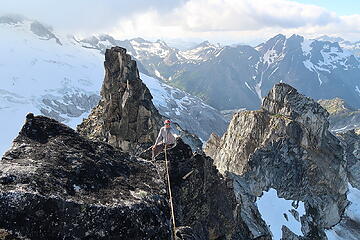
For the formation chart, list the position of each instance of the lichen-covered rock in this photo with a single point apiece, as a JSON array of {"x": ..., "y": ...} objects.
[
  {"x": 212, "y": 145},
  {"x": 55, "y": 184},
  {"x": 286, "y": 146},
  {"x": 204, "y": 200}
]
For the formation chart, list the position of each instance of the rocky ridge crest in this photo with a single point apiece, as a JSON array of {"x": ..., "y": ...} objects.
[
  {"x": 126, "y": 117},
  {"x": 56, "y": 184},
  {"x": 286, "y": 146}
]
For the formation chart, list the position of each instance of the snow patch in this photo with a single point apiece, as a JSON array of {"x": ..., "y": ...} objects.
[
  {"x": 277, "y": 212},
  {"x": 32, "y": 67},
  {"x": 357, "y": 89},
  {"x": 309, "y": 65},
  {"x": 306, "y": 46},
  {"x": 247, "y": 85},
  {"x": 76, "y": 188},
  {"x": 333, "y": 56},
  {"x": 353, "y": 210},
  {"x": 270, "y": 56}
]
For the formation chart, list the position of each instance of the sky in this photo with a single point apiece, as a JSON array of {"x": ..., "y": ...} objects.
[{"x": 223, "y": 21}]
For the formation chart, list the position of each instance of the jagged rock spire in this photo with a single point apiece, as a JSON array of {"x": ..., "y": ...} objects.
[
  {"x": 286, "y": 145},
  {"x": 125, "y": 116}
]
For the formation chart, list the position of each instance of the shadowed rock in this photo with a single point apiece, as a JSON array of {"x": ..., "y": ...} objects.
[
  {"x": 204, "y": 201},
  {"x": 125, "y": 117},
  {"x": 55, "y": 184},
  {"x": 286, "y": 146}
]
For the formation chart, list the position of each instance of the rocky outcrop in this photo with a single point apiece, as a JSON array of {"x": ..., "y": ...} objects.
[
  {"x": 125, "y": 116},
  {"x": 342, "y": 116},
  {"x": 351, "y": 141},
  {"x": 43, "y": 32},
  {"x": 204, "y": 201},
  {"x": 286, "y": 146},
  {"x": 56, "y": 184}
]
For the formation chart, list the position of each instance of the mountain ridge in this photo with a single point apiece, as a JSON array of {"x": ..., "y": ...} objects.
[
  {"x": 320, "y": 69},
  {"x": 63, "y": 82}
]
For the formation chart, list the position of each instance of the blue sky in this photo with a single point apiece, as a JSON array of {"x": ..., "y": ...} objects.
[
  {"x": 223, "y": 21},
  {"x": 342, "y": 7}
]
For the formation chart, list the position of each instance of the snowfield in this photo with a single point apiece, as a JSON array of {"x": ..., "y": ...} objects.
[
  {"x": 33, "y": 68},
  {"x": 277, "y": 212}
]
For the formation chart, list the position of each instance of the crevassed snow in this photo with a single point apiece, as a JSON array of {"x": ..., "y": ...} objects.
[
  {"x": 162, "y": 94},
  {"x": 31, "y": 67},
  {"x": 272, "y": 209},
  {"x": 201, "y": 53},
  {"x": 157, "y": 90}
]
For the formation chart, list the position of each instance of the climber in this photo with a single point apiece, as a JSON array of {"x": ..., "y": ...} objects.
[{"x": 165, "y": 137}]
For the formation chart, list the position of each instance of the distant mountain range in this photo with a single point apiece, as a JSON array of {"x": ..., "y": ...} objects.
[
  {"x": 47, "y": 73},
  {"x": 233, "y": 77},
  {"x": 353, "y": 47},
  {"x": 60, "y": 76}
]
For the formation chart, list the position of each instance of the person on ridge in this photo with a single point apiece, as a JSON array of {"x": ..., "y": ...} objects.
[{"x": 165, "y": 137}]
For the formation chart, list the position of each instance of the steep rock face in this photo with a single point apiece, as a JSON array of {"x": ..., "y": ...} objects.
[
  {"x": 287, "y": 146},
  {"x": 55, "y": 184},
  {"x": 342, "y": 116},
  {"x": 351, "y": 142},
  {"x": 204, "y": 201},
  {"x": 125, "y": 116}
]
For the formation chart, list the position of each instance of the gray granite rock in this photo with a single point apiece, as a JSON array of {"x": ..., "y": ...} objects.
[{"x": 286, "y": 146}]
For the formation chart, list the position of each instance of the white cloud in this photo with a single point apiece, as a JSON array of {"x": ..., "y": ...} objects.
[
  {"x": 83, "y": 15},
  {"x": 234, "y": 21},
  {"x": 224, "y": 21}
]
